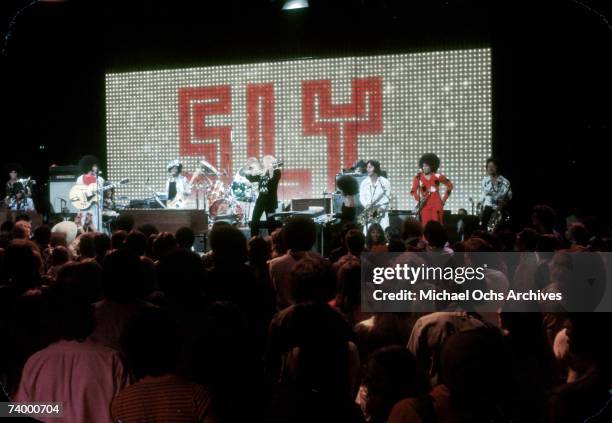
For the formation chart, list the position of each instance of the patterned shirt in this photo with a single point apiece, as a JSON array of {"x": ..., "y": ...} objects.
[
  {"x": 492, "y": 193},
  {"x": 162, "y": 399}
]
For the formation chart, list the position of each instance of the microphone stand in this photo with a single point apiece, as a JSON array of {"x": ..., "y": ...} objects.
[
  {"x": 418, "y": 188},
  {"x": 98, "y": 203}
]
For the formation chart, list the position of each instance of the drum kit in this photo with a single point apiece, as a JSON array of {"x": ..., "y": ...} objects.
[{"x": 227, "y": 202}]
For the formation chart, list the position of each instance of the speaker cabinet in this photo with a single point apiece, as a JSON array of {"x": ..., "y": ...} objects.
[
  {"x": 302, "y": 204},
  {"x": 61, "y": 180},
  {"x": 397, "y": 217},
  {"x": 59, "y": 198}
]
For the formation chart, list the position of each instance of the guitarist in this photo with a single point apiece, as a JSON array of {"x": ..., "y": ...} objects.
[
  {"x": 495, "y": 192},
  {"x": 177, "y": 185},
  {"x": 375, "y": 191},
  {"x": 91, "y": 175},
  {"x": 426, "y": 189}
]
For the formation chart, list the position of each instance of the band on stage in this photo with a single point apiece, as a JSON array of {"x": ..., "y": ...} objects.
[{"x": 364, "y": 190}]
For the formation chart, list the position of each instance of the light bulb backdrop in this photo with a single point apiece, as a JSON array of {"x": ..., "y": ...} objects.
[{"x": 317, "y": 115}]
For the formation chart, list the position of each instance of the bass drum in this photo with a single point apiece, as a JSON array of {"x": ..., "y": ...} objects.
[
  {"x": 223, "y": 209},
  {"x": 216, "y": 192}
]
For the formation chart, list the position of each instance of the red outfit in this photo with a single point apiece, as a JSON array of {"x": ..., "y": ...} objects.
[
  {"x": 433, "y": 208},
  {"x": 89, "y": 179}
]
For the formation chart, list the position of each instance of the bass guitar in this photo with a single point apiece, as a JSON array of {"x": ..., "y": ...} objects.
[{"x": 421, "y": 204}]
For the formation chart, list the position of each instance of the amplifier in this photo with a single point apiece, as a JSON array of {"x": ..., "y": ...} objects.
[
  {"x": 59, "y": 196},
  {"x": 64, "y": 173},
  {"x": 61, "y": 180},
  {"x": 302, "y": 204}
]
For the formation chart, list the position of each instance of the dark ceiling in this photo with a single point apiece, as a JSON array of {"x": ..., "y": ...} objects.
[{"x": 552, "y": 89}]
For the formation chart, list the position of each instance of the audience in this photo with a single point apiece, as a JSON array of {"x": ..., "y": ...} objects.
[
  {"x": 300, "y": 235},
  {"x": 376, "y": 242},
  {"x": 184, "y": 238},
  {"x": 585, "y": 355},
  {"x": 475, "y": 383},
  {"x": 354, "y": 242},
  {"x": 163, "y": 243},
  {"x": 436, "y": 237},
  {"x": 136, "y": 242},
  {"x": 86, "y": 246},
  {"x": 118, "y": 239},
  {"x": 122, "y": 288},
  {"x": 348, "y": 292},
  {"x": 102, "y": 245},
  {"x": 267, "y": 329},
  {"x": 85, "y": 375},
  {"x": 524, "y": 275},
  {"x": 390, "y": 375},
  {"x": 412, "y": 234},
  {"x": 151, "y": 343}
]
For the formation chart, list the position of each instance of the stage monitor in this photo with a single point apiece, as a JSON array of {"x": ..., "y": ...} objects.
[{"x": 317, "y": 115}]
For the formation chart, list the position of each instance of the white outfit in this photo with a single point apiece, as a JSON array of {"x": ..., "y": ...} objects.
[
  {"x": 183, "y": 187},
  {"x": 96, "y": 207},
  {"x": 369, "y": 192}
]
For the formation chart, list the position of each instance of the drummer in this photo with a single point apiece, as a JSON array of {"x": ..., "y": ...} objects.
[
  {"x": 241, "y": 186},
  {"x": 109, "y": 196}
]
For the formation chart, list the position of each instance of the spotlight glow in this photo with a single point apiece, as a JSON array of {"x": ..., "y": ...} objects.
[{"x": 295, "y": 4}]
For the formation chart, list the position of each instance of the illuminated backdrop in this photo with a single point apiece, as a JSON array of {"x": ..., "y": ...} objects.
[{"x": 318, "y": 116}]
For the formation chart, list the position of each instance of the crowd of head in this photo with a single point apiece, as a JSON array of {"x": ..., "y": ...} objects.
[{"x": 137, "y": 326}]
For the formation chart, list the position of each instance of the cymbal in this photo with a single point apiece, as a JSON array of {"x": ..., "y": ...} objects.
[{"x": 209, "y": 167}]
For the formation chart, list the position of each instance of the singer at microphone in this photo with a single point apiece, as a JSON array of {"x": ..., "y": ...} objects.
[
  {"x": 91, "y": 175},
  {"x": 426, "y": 189}
]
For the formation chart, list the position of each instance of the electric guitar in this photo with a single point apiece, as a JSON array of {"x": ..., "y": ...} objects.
[
  {"x": 421, "y": 203},
  {"x": 83, "y": 196}
]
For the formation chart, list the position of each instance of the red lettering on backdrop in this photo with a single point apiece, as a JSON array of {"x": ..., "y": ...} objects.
[
  {"x": 196, "y": 138},
  {"x": 261, "y": 124},
  {"x": 341, "y": 124}
]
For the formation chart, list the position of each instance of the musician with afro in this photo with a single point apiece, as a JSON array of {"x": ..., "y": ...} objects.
[
  {"x": 426, "y": 189},
  {"x": 349, "y": 188},
  {"x": 89, "y": 166}
]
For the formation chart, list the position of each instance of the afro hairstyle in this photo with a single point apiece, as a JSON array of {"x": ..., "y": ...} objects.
[
  {"x": 348, "y": 185},
  {"x": 431, "y": 159},
  {"x": 87, "y": 162}
]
